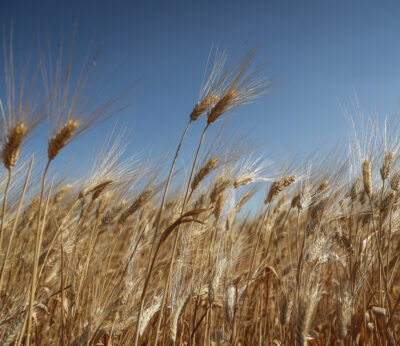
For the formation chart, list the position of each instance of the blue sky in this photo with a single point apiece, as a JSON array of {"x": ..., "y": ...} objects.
[{"x": 320, "y": 53}]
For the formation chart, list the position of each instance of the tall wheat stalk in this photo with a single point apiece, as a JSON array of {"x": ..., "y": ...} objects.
[{"x": 159, "y": 218}]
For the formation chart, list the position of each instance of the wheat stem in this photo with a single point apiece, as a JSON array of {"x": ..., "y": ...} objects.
[
  {"x": 159, "y": 218},
  {"x": 249, "y": 274},
  {"x": 36, "y": 256},
  {"x": 173, "y": 253}
]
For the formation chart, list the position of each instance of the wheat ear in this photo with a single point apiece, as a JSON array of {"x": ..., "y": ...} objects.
[
  {"x": 203, "y": 172},
  {"x": 12, "y": 147},
  {"x": 387, "y": 165},
  {"x": 61, "y": 138},
  {"x": 367, "y": 178}
]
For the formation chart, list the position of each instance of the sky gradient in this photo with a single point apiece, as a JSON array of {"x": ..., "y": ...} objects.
[{"x": 320, "y": 54}]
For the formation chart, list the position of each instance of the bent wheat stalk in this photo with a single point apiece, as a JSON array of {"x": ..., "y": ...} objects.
[{"x": 185, "y": 218}]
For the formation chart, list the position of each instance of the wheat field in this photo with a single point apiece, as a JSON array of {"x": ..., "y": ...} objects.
[{"x": 127, "y": 256}]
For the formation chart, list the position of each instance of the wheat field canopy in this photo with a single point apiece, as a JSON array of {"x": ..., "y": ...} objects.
[{"x": 138, "y": 252}]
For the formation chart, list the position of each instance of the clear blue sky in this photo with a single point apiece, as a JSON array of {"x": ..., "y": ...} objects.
[{"x": 320, "y": 52}]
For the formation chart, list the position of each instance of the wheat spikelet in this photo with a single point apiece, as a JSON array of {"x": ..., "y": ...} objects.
[
  {"x": 241, "y": 182},
  {"x": 99, "y": 188},
  {"x": 395, "y": 182},
  {"x": 388, "y": 201},
  {"x": 387, "y": 165},
  {"x": 12, "y": 147},
  {"x": 203, "y": 106},
  {"x": 220, "y": 186},
  {"x": 211, "y": 87},
  {"x": 221, "y": 106},
  {"x": 305, "y": 198},
  {"x": 366, "y": 172},
  {"x": 140, "y": 201},
  {"x": 278, "y": 185},
  {"x": 219, "y": 205},
  {"x": 243, "y": 200},
  {"x": 110, "y": 215},
  {"x": 355, "y": 189},
  {"x": 218, "y": 195},
  {"x": 242, "y": 88},
  {"x": 61, "y": 138},
  {"x": 203, "y": 172}
]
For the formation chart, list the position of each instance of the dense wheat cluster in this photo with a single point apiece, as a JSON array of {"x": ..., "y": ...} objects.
[{"x": 126, "y": 256}]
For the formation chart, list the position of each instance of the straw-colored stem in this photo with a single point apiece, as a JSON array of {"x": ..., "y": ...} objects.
[
  {"x": 15, "y": 223},
  {"x": 3, "y": 215},
  {"x": 36, "y": 256},
  {"x": 159, "y": 218},
  {"x": 40, "y": 239},
  {"x": 249, "y": 274},
  {"x": 177, "y": 236}
]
